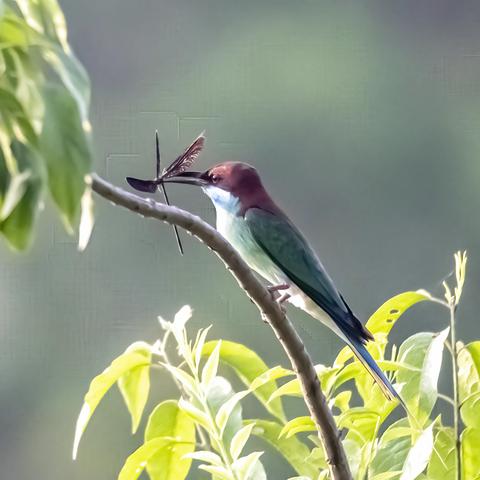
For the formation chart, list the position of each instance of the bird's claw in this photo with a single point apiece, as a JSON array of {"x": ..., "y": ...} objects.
[{"x": 273, "y": 289}]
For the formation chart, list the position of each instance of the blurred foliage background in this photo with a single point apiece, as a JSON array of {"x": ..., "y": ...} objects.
[{"x": 363, "y": 121}]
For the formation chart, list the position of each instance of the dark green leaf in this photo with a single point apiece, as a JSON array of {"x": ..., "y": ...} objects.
[
  {"x": 18, "y": 226},
  {"x": 66, "y": 150}
]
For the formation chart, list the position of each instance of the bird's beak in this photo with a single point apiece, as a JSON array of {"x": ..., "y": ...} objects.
[{"x": 189, "y": 178}]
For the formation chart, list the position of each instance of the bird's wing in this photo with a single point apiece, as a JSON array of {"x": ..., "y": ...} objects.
[{"x": 290, "y": 251}]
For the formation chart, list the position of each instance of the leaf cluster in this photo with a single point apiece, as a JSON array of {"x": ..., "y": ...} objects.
[
  {"x": 206, "y": 423},
  {"x": 44, "y": 127}
]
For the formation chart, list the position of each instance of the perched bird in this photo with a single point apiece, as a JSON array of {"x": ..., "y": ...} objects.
[{"x": 275, "y": 248}]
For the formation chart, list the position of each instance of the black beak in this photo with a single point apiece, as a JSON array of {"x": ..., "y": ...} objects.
[
  {"x": 188, "y": 178},
  {"x": 150, "y": 186}
]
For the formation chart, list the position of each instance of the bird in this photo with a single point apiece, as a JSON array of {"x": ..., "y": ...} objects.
[{"x": 270, "y": 243}]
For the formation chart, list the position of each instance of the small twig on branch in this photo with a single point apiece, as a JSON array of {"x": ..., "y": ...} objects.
[{"x": 269, "y": 308}]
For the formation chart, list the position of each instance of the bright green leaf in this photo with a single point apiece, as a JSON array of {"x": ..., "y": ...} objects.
[
  {"x": 443, "y": 461},
  {"x": 209, "y": 371},
  {"x": 419, "y": 455},
  {"x": 168, "y": 420},
  {"x": 99, "y": 387},
  {"x": 239, "y": 440},
  {"x": 292, "y": 449},
  {"x": 224, "y": 412},
  {"x": 244, "y": 466},
  {"x": 137, "y": 461},
  {"x": 248, "y": 366},
  {"x": 390, "y": 456},
  {"x": 296, "y": 425},
  {"x": 470, "y": 439},
  {"x": 219, "y": 393},
  {"x": 134, "y": 385},
  {"x": 196, "y": 414},
  {"x": 422, "y": 350},
  {"x": 383, "y": 320},
  {"x": 205, "y": 456}
]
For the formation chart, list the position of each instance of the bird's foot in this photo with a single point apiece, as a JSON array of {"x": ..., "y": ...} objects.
[
  {"x": 277, "y": 288},
  {"x": 273, "y": 289}
]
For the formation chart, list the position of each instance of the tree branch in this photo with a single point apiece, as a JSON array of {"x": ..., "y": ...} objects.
[{"x": 268, "y": 307}]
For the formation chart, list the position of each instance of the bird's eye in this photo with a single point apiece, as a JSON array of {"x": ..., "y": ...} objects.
[{"x": 215, "y": 178}]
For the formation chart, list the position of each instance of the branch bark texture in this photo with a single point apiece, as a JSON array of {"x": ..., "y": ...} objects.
[{"x": 268, "y": 307}]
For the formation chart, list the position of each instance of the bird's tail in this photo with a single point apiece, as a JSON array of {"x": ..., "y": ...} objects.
[{"x": 374, "y": 370}]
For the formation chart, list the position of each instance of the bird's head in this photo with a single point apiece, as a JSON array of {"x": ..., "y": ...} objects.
[{"x": 229, "y": 185}]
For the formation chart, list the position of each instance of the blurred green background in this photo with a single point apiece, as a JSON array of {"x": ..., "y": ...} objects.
[{"x": 363, "y": 120}]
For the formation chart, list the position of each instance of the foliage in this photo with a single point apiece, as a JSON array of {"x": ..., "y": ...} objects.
[
  {"x": 206, "y": 423},
  {"x": 44, "y": 128}
]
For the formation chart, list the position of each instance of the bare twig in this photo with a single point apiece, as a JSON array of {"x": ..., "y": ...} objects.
[{"x": 269, "y": 308}]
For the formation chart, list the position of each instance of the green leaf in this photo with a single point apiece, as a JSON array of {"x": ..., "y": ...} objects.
[
  {"x": 296, "y": 425},
  {"x": 137, "y": 461},
  {"x": 224, "y": 412},
  {"x": 218, "y": 472},
  {"x": 443, "y": 462},
  {"x": 187, "y": 381},
  {"x": 248, "y": 366},
  {"x": 18, "y": 226},
  {"x": 66, "y": 149},
  {"x": 470, "y": 439},
  {"x": 99, "y": 387},
  {"x": 326, "y": 376},
  {"x": 205, "y": 456},
  {"x": 292, "y": 449},
  {"x": 134, "y": 385},
  {"x": 87, "y": 218},
  {"x": 239, "y": 440},
  {"x": 422, "y": 350},
  {"x": 209, "y": 371},
  {"x": 469, "y": 383},
  {"x": 196, "y": 414},
  {"x": 244, "y": 466},
  {"x": 382, "y": 321},
  {"x": 168, "y": 420},
  {"x": 390, "y": 456},
  {"x": 361, "y": 423},
  {"x": 419, "y": 455},
  {"x": 219, "y": 393}
]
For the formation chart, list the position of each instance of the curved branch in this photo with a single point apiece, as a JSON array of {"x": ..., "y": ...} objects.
[{"x": 269, "y": 308}]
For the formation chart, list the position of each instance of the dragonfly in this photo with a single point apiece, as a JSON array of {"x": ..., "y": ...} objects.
[{"x": 182, "y": 163}]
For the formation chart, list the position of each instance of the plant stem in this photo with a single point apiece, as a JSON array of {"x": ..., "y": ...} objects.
[
  {"x": 456, "y": 401},
  {"x": 163, "y": 352},
  {"x": 252, "y": 286}
]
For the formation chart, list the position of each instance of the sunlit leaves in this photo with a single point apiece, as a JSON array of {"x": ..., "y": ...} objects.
[
  {"x": 239, "y": 440},
  {"x": 424, "y": 351},
  {"x": 169, "y": 421},
  {"x": 248, "y": 366},
  {"x": 99, "y": 386}
]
